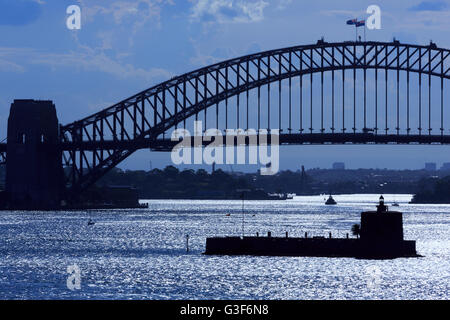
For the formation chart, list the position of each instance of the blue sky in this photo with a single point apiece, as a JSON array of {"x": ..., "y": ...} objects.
[{"x": 125, "y": 46}]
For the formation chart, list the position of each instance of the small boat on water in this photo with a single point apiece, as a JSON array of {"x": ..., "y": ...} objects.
[
  {"x": 330, "y": 201},
  {"x": 90, "y": 222},
  {"x": 395, "y": 203},
  {"x": 277, "y": 196}
]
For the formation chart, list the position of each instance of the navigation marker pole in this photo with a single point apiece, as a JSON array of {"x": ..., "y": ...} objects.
[{"x": 243, "y": 215}]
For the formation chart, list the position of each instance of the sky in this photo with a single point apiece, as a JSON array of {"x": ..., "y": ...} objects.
[{"x": 126, "y": 46}]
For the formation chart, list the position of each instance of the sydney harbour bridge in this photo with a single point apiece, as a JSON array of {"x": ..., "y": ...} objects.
[{"x": 324, "y": 93}]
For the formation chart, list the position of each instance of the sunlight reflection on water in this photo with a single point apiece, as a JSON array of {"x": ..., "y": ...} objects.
[{"x": 140, "y": 253}]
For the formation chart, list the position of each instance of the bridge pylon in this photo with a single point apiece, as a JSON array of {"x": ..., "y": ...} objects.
[{"x": 34, "y": 174}]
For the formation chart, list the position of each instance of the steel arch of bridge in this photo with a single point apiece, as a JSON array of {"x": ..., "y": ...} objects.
[{"x": 97, "y": 143}]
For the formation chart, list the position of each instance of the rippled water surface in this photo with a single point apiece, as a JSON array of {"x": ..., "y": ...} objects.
[{"x": 141, "y": 253}]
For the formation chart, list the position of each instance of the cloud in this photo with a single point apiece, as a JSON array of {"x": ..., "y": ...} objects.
[
  {"x": 228, "y": 11},
  {"x": 283, "y": 4},
  {"x": 253, "y": 48},
  {"x": 6, "y": 60},
  {"x": 8, "y": 66},
  {"x": 19, "y": 12},
  {"x": 427, "y": 20},
  {"x": 221, "y": 54},
  {"x": 87, "y": 60},
  {"x": 430, "y": 6},
  {"x": 217, "y": 55},
  {"x": 129, "y": 13},
  {"x": 100, "y": 62},
  {"x": 344, "y": 14},
  {"x": 124, "y": 11}
]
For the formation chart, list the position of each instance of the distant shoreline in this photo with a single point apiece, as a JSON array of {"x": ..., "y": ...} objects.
[{"x": 375, "y": 195}]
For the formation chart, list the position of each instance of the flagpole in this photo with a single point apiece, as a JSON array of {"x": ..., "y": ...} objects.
[{"x": 355, "y": 23}]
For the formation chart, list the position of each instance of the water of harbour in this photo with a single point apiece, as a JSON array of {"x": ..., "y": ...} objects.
[{"x": 141, "y": 253}]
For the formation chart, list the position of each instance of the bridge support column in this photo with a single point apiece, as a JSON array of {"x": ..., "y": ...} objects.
[{"x": 34, "y": 174}]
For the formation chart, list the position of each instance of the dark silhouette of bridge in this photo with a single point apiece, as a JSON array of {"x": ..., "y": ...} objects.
[{"x": 324, "y": 93}]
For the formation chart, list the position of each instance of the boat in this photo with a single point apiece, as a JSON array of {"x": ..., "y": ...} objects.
[
  {"x": 330, "y": 201},
  {"x": 395, "y": 203},
  {"x": 277, "y": 196},
  {"x": 90, "y": 222}
]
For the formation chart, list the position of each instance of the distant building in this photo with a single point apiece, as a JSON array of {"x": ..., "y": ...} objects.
[
  {"x": 338, "y": 166},
  {"x": 445, "y": 166},
  {"x": 430, "y": 166}
]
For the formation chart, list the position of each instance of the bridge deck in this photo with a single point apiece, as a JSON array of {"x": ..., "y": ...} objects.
[
  {"x": 165, "y": 145},
  {"x": 284, "y": 139}
]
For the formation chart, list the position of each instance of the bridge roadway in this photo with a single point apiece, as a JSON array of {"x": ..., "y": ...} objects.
[{"x": 165, "y": 145}]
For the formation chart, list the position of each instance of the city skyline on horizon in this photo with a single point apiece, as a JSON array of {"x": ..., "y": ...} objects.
[{"x": 327, "y": 165}]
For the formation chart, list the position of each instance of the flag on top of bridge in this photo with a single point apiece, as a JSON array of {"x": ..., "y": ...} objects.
[
  {"x": 360, "y": 23},
  {"x": 353, "y": 21}
]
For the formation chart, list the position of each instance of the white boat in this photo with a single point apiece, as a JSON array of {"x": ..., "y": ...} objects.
[{"x": 330, "y": 201}]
